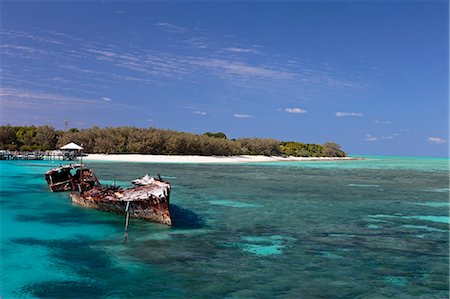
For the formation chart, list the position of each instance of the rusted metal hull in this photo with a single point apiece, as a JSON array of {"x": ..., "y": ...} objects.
[
  {"x": 61, "y": 179},
  {"x": 143, "y": 203}
]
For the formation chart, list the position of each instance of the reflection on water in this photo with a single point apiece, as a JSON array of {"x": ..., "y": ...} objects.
[{"x": 372, "y": 228}]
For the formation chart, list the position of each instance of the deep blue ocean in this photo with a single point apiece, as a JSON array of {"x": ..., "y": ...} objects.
[{"x": 376, "y": 228}]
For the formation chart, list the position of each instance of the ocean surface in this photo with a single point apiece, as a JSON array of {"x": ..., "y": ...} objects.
[{"x": 376, "y": 228}]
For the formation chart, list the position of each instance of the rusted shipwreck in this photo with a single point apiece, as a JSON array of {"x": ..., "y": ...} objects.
[
  {"x": 72, "y": 177},
  {"x": 149, "y": 199}
]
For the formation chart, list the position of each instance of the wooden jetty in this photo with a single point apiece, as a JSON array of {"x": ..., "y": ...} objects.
[
  {"x": 21, "y": 155},
  {"x": 38, "y": 155}
]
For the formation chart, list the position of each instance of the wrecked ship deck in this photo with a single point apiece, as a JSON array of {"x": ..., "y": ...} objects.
[{"x": 148, "y": 201}]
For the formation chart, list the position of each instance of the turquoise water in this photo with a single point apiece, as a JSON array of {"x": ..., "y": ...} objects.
[{"x": 366, "y": 229}]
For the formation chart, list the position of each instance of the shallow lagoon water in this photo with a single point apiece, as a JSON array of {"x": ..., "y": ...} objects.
[{"x": 343, "y": 229}]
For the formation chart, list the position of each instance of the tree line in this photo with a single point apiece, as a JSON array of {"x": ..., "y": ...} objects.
[{"x": 114, "y": 140}]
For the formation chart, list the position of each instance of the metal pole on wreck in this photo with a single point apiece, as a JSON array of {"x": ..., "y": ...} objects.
[
  {"x": 127, "y": 217},
  {"x": 81, "y": 165}
]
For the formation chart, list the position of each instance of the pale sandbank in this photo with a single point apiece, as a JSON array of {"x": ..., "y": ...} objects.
[{"x": 202, "y": 159}]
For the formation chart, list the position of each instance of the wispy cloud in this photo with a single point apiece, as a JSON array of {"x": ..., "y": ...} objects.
[
  {"x": 295, "y": 110},
  {"x": 102, "y": 54},
  {"x": 24, "y": 35},
  {"x": 198, "y": 42},
  {"x": 242, "y": 50},
  {"x": 388, "y": 137},
  {"x": 348, "y": 114},
  {"x": 387, "y": 122},
  {"x": 370, "y": 138},
  {"x": 436, "y": 140},
  {"x": 25, "y": 49},
  {"x": 172, "y": 27},
  {"x": 19, "y": 98},
  {"x": 238, "y": 115},
  {"x": 103, "y": 65},
  {"x": 199, "y": 112},
  {"x": 242, "y": 69},
  {"x": 36, "y": 99},
  {"x": 106, "y": 99}
]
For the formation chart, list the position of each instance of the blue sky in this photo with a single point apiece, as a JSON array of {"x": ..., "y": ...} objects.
[{"x": 369, "y": 75}]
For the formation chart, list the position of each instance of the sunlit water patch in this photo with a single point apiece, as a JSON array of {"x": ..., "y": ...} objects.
[{"x": 261, "y": 245}]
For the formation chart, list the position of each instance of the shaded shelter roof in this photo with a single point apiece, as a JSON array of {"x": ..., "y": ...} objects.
[{"x": 71, "y": 146}]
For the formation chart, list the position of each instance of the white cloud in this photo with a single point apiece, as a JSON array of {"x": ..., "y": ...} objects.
[
  {"x": 106, "y": 99},
  {"x": 237, "y": 115},
  {"x": 436, "y": 140},
  {"x": 346, "y": 114},
  {"x": 295, "y": 110},
  {"x": 199, "y": 112}
]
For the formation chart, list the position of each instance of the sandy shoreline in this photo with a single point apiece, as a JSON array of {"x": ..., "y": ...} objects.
[{"x": 201, "y": 159}]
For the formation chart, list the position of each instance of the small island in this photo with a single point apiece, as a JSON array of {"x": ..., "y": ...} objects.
[{"x": 160, "y": 145}]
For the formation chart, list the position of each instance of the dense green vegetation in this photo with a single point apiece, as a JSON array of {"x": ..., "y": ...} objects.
[{"x": 157, "y": 141}]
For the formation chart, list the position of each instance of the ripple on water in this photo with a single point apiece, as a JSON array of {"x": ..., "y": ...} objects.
[
  {"x": 423, "y": 227},
  {"x": 396, "y": 280},
  {"x": 363, "y": 185},
  {"x": 234, "y": 204},
  {"x": 440, "y": 190},
  {"x": 433, "y": 204},
  {"x": 329, "y": 254},
  {"x": 439, "y": 219}
]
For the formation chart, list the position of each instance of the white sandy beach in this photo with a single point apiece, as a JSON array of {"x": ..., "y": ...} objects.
[{"x": 200, "y": 159}]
